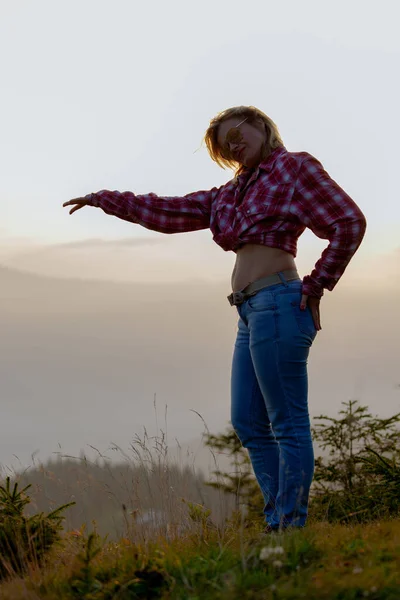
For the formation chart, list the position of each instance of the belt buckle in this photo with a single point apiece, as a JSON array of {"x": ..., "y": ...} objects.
[{"x": 238, "y": 298}]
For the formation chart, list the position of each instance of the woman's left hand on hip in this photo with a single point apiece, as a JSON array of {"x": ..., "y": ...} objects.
[{"x": 313, "y": 303}]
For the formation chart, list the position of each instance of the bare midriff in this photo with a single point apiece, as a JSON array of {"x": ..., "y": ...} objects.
[{"x": 254, "y": 261}]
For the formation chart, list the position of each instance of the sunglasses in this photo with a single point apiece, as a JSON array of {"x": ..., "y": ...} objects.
[{"x": 233, "y": 136}]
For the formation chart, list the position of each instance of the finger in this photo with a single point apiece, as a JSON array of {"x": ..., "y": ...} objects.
[
  {"x": 75, "y": 201},
  {"x": 303, "y": 301},
  {"x": 75, "y": 208}
]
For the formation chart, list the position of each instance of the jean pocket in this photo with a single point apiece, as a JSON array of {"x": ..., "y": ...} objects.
[
  {"x": 304, "y": 318},
  {"x": 262, "y": 300}
]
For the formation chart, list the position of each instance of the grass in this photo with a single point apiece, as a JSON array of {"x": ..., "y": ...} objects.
[
  {"x": 321, "y": 561},
  {"x": 197, "y": 557}
]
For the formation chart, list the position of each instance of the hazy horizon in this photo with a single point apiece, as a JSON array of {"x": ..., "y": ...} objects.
[{"x": 82, "y": 362}]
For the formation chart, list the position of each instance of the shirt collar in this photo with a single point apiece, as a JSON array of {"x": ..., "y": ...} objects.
[{"x": 268, "y": 164}]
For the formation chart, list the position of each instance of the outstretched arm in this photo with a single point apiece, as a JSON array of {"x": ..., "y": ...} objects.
[{"x": 167, "y": 214}]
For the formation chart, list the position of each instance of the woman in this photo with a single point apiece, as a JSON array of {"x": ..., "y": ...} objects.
[{"x": 259, "y": 215}]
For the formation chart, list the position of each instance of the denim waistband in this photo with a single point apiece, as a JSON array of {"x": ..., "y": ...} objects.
[{"x": 278, "y": 278}]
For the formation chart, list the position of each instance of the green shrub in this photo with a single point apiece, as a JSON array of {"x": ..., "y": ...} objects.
[
  {"x": 24, "y": 540},
  {"x": 356, "y": 474}
]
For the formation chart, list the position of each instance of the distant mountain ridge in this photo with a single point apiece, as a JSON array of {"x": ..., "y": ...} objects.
[{"x": 81, "y": 360}]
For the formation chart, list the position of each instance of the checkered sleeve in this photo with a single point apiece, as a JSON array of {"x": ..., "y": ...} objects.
[
  {"x": 331, "y": 214},
  {"x": 168, "y": 214}
]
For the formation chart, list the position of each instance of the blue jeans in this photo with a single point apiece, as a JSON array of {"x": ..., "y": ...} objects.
[{"x": 269, "y": 389}]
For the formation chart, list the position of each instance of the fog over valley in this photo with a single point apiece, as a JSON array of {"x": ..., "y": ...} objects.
[{"x": 83, "y": 362}]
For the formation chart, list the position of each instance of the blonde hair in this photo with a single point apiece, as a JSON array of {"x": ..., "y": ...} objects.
[{"x": 254, "y": 115}]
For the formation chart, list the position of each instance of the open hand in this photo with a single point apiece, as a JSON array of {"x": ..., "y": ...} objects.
[
  {"x": 313, "y": 303},
  {"x": 79, "y": 203}
]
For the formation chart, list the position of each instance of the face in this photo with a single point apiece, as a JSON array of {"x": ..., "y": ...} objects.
[{"x": 241, "y": 141}]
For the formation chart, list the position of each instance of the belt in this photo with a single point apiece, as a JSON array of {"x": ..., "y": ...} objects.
[{"x": 255, "y": 286}]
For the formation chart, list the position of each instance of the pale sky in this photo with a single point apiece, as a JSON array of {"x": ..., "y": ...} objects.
[{"x": 117, "y": 95}]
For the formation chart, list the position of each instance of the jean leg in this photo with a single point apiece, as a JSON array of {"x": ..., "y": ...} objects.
[
  {"x": 250, "y": 420},
  {"x": 280, "y": 364}
]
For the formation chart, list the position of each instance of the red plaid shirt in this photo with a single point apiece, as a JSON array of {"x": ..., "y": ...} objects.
[{"x": 270, "y": 205}]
